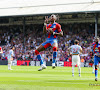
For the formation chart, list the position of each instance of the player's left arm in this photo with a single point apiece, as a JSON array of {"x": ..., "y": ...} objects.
[
  {"x": 69, "y": 50},
  {"x": 12, "y": 54},
  {"x": 81, "y": 50},
  {"x": 60, "y": 32},
  {"x": 45, "y": 25}
]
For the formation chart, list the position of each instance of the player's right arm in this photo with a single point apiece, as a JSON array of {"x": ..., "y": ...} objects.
[
  {"x": 92, "y": 47},
  {"x": 69, "y": 49},
  {"x": 45, "y": 25},
  {"x": 44, "y": 29}
]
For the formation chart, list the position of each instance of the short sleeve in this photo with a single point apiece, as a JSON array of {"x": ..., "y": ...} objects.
[
  {"x": 12, "y": 53},
  {"x": 80, "y": 47},
  {"x": 59, "y": 28}
]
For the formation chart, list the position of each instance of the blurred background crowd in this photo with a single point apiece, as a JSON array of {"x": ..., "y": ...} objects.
[{"x": 26, "y": 42}]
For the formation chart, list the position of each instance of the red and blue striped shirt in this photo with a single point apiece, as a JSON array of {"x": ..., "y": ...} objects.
[
  {"x": 55, "y": 27},
  {"x": 96, "y": 48}
]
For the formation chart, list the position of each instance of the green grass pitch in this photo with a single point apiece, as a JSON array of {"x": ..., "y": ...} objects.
[{"x": 60, "y": 78}]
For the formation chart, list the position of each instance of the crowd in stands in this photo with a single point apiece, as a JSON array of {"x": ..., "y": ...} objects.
[{"x": 27, "y": 41}]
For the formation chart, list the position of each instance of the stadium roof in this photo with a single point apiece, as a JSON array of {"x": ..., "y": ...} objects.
[{"x": 37, "y": 7}]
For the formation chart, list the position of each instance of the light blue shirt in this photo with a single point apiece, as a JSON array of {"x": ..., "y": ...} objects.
[{"x": 11, "y": 53}]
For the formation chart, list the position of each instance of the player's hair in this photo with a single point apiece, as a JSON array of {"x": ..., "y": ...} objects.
[
  {"x": 76, "y": 41},
  {"x": 11, "y": 47},
  {"x": 57, "y": 16}
]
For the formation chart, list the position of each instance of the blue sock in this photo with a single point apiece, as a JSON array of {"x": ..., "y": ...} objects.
[
  {"x": 96, "y": 73},
  {"x": 54, "y": 57},
  {"x": 40, "y": 59}
]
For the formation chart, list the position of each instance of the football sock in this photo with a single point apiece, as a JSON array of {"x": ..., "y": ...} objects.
[
  {"x": 73, "y": 69},
  {"x": 39, "y": 56},
  {"x": 9, "y": 66},
  {"x": 96, "y": 73},
  {"x": 54, "y": 57},
  {"x": 54, "y": 54},
  {"x": 79, "y": 69}
]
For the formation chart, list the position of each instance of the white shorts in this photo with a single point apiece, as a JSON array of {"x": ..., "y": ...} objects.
[
  {"x": 75, "y": 60},
  {"x": 10, "y": 60}
]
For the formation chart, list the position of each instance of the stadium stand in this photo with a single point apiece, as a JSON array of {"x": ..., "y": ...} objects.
[{"x": 14, "y": 36}]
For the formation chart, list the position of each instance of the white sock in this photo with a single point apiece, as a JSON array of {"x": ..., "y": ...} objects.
[
  {"x": 9, "y": 66},
  {"x": 79, "y": 69},
  {"x": 73, "y": 69},
  {"x": 53, "y": 64},
  {"x": 11, "y": 62}
]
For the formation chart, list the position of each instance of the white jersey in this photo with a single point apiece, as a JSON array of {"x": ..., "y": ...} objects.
[
  {"x": 75, "y": 49},
  {"x": 11, "y": 53}
]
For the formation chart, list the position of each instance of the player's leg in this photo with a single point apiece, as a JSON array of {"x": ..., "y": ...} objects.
[
  {"x": 37, "y": 52},
  {"x": 96, "y": 67},
  {"x": 9, "y": 64},
  {"x": 78, "y": 64},
  {"x": 42, "y": 47},
  {"x": 55, "y": 46},
  {"x": 96, "y": 72},
  {"x": 79, "y": 70},
  {"x": 73, "y": 64}
]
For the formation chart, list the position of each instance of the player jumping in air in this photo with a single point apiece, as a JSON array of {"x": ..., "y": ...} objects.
[
  {"x": 53, "y": 30},
  {"x": 96, "y": 52},
  {"x": 75, "y": 50},
  {"x": 10, "y": 57}
]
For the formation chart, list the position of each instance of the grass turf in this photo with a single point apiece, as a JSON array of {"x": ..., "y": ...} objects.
[{"x": 60, "y": 78}]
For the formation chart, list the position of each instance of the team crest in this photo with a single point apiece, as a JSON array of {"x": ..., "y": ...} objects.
[{"x": 54, "y": 26}]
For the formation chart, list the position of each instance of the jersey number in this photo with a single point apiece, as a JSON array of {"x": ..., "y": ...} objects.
[{"x": 75, "y": 50}]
